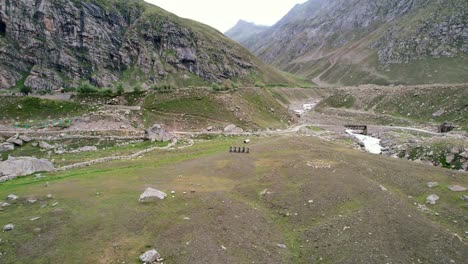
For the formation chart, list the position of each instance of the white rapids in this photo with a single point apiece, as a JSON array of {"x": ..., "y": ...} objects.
[{"x": 371, "y": 144}]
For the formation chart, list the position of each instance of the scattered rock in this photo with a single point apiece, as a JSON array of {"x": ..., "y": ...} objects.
[
  {"x": 6, "y": 147},
  {"x": 464, "y": 197},
  {"x": 151, "y": 194},
  {"x": 4, "y": 204},
  {"x": 432, "y": 184},
  {"x": 432, "y": 199},
  {"x": 383, "y": 188},
  {"x": 15, "y": 167},
  {"x": 158, "y": 133},
  {"x": 283, "y": 246},
  {"x": 12, "y": 197},
  {"x": 84, "y": 149},
  {"x": 150, "y": 256},
  {"x": 31, "y": 200},
  {"x": 8, "y": 227},
  {"x": 35, "y": 218},
  {"x": 209, "y": 129},
  {"x": 55, "y": 204},
  {"x": 186, "y": 218},
  {"x": 438, "y": 113},
  {"x": 49, "y": 196},
  {"x": 457, "y": 188}
]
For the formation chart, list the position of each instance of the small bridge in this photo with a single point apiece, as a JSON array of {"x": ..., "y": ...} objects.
[{"x": 362, "y": 128}]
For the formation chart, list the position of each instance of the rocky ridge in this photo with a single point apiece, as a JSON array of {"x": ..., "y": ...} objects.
[
  {"x": 54, "y": 44},
  {"x": 351, "y": 40}
]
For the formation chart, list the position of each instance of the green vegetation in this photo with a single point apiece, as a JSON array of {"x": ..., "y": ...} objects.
[
  {"x": 87, "y": 88},
  {"x": 34, "y": 109},
  {"x": 26, "y": 90},
  {"x": 96, "y": 210},
  {"x": 338, "y": 101}
]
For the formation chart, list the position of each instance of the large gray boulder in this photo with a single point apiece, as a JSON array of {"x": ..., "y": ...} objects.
[
  {"x": 432, "y": 199},
  {"x": 233, "y": 129},
  {"x": 15, "y": 167},
  {"x": 457, "y": 188},
  {"x": 15, "y": 141},
  {"x": 8, "y": 227},
  {"x": 150, "y": 256},
  {"x": 151, "y": 194},
  {"x": 158, "y": 133},
  {"x": 6, "y": 147}
]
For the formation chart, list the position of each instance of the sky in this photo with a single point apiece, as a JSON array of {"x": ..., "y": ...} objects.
[{"x": 224, "y": 14}]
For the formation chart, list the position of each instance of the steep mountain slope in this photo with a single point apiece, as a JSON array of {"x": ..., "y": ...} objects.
[
  {"x": 366, "y": 41},
  {"x": 47, "y": 44},
  {"x": 244, "y": 30}
]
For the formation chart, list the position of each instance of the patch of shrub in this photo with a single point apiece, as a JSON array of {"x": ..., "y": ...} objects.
[{"x": 87, "y": 88}]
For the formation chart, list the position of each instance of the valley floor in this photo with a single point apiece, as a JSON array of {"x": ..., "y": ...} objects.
[{"x": 322, "y": 200}]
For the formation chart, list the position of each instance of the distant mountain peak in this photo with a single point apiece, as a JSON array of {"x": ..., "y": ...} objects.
[
  {"x": 352, "y": 42},
  {"x": 244, "y": 30}
]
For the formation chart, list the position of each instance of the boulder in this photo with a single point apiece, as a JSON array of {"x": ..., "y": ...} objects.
[
  {"x": 438, "y": 113},
  {"x": 233, "y": 129},
  {"x": 464, "y": 198},
  {"x": 449, "y": 158},
  {"x": 25, "y": 139},
  {"x": 45, "y": 145},
  {"x": 6, "y": 147},
  {"x": 150, "y": 256},
  {"x": 446, "y": 127},
  {"x": 158, "y": 133},
  {"x": 12, "y": 197},
  {"x": 8, "y": 227},
  {"x": 457, "y": 188},
  {"x": 151, "y": 194},
  {"x": 15, "y": 141},
  {"x": 432, "y": 199},
  {"x": 432, "y": 184},
  {"x": 4, "y": 204},
  {"x": 21, "y": 166}
]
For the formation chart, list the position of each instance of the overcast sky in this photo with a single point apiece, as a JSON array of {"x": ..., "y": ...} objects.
[{"x": 224, "y": 14}]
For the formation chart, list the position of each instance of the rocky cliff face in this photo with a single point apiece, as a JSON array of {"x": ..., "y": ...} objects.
[
  {"x": 48, "y": 44},
  {"x": 368, "y": 41}
]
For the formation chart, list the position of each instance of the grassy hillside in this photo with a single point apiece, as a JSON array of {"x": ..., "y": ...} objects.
[
  {"x": 435, "y": 104},
  {"x": 314, "y": 197},
  {"x": 33, "y": 110},
  {"x": 249, "y": 108}
]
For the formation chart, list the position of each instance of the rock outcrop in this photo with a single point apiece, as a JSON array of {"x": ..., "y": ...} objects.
[
  {"x": 369, "y": 41},
  {"x": 61, "y": 43},
  {"x": 158, "y": 133},
  {"x": 15, "y": 167}
]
